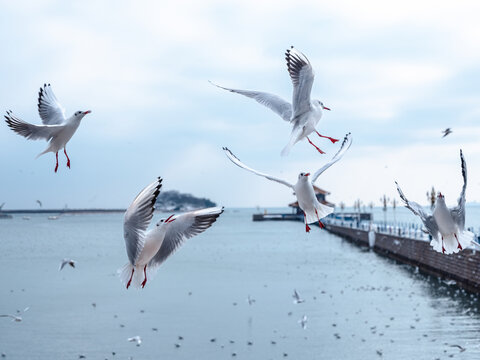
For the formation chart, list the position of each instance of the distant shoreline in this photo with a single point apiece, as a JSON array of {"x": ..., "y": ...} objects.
[{"x": 61, "y": 211}]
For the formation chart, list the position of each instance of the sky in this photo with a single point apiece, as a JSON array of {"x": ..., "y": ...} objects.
[{"x": 395, "y": 74}]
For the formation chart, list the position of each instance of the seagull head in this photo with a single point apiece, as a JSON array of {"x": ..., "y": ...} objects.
[
  {"x": 440, "y": 197},
  {"x": 303, "y": 176},
  {"x": 322, "y": 106},
  {"x": 168, "y": 220},
  {"x": 81, "y": 114}
]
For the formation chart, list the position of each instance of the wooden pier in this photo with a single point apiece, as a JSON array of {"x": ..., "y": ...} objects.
[{"x": 463, "y": 267}]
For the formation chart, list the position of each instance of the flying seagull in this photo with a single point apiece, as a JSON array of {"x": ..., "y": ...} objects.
[
  {"x": 151, "y": 248},
  {"x": 56, "y": 128},
  {"x": 446, "y": 132},
  {"x": 39, "y": 203},
  {"x": 65, "y": 262},
  {"x": 296, "y": 297},
  {"x": 446, "y": 226},
  {"x": 313, "y": 210},
  {"x": 304, "y": 113}
]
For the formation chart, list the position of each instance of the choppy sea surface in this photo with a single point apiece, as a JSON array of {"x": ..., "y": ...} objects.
[{"x": 358, "y": 304}]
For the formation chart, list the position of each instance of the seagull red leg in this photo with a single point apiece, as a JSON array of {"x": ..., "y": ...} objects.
[
  {"x": 307, "y": 228},
  {"x": 327, "y": 137},
  {"x": 315, "y": 146},
  {"x": 459, "y": 246},
  {"x": 443, "y": 248},
  {"x": 319, "y": 222},
  {"x": 56, "y": 164},
  {"x": 130, "y": 281},
  {"x": 145, "y": 272},
  {"x": 68, "y": 159}
]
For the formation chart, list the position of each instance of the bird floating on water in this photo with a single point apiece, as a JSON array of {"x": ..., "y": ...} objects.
[
  {"x": 56, "y": 128},
  {"x": 136, "y": 339},
  {"x": 446, "y": 226},
  {"x": 296, "y": 297},
  {"x": 304, "y": 113},
  {"x": 148, "y": 250},
  {"x": 313, "y": 210}
]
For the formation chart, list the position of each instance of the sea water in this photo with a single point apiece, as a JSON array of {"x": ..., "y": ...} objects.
[{"x": 358, "y": 304}]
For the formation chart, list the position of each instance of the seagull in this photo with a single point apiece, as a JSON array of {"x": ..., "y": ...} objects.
[
  {"x": 446, "y": 226},
  {"x": 304, "y": 113},
  {"x": 136, "y": 339},
  {"x": 65, "y": 262},
  {"x": 13, "y": 317},
  {"x": 250, "y": 300},
  {"x": 303, "y": 322},
  {"x": 296, "y": 297},
  {"x": 446, "y": 132},
  {"x": 313, "y": 210},
  {"x": 152, "y": 248},
  {"x": 39, "y": 203},
  {"x": 56, "y": 128}
]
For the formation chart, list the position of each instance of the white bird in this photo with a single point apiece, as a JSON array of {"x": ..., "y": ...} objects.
[
  {"x": 303, "y": 322},
  {"x": 56, "y": 128},
  {"x": 304, "y": 113},
  {"x": 296, "y": 297},
  {"x": 313, "y": 210},
  {"x": 13, "y": 317},
  {"x": 137, "y": 339},
  {"x": 65, "y": 262},
  {"x": 446, "y": 226},
  {"x": 150, "y": 249}
]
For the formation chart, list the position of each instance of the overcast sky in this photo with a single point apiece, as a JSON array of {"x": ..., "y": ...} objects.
[{"x": 395, "y": 74}]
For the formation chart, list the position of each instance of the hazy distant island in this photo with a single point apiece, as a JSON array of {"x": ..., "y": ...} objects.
[{"x": 174, "y": 200}]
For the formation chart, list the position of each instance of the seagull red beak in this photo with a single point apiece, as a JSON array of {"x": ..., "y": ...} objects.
[
  {"x": 307, "y": 174},
  {"x": 87, "y": 112},
  {"x": 169, "y": 219},
  {"x": 327, "y": 108}
]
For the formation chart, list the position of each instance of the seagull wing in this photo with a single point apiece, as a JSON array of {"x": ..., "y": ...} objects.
[
  {"x": 138, "y": 217},
  {"x": 237, "y": 162},
  {"x": 273, "y": 102},
  {"x": 458, "y": 212},
  {"x": 302, "y": 76},
  {"x": 428, "y": 220},
  {"x": 62, "y": 264},
  {"x": 50, "y": 110},
  {"x": 182, "y": 228},
  {"x": 30, "y": 131},
  {"x": 347, "y": 142}
]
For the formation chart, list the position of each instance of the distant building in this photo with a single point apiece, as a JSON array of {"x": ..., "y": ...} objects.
[{"x": 319, "y": 193}]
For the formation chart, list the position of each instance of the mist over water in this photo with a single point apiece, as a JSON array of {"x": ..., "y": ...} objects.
[{"x": 359, "y": 305}]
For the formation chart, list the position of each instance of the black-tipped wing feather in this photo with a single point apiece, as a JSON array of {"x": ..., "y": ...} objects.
[
  {"x": 302, "y": 76},
  {"x": 347, "y": 142},
  {"x": 30, "y": 131},
  {"x": 184, "y": 227},
  {"x": 428, "y": 220},
  {"x": 49, "y": 109},
  {"x": 138, "y": 217},
  {"x": 458, "y": 212}
]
